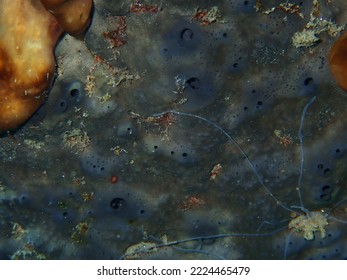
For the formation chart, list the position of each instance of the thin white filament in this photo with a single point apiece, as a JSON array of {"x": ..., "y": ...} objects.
[
  {"x": 304, "y": 111},
  {"x": 238, "y": 147}
]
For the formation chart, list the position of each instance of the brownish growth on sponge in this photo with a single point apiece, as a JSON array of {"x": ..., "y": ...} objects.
[
  {"x": 28, "y": 35},
  {"x": 72, "y": 15},
  {"x": 338, "y": 61}
]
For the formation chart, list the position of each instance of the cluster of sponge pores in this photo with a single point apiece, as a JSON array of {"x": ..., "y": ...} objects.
[{"x": 29, "y": 31}]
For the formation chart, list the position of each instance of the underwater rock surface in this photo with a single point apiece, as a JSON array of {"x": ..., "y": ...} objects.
[{"x": 184, "y": 130}]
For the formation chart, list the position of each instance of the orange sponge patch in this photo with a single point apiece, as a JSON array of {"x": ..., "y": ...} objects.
[
  {"x": 28, "y": 34},
  {"x": 72, "y": 15},
  {"x": 338, "y": 61}
]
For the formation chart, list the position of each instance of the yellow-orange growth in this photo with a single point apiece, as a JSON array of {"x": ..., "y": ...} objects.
[
  {"x": 338, "y": 61},
  {"x": 28, "y": 35}
]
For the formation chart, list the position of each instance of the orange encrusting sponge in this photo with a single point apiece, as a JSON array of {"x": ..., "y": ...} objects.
[
  {"x": 28, "y": 35},
  {"x": 338, "y": 61},
  {"x": 72, "y": 15}
]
